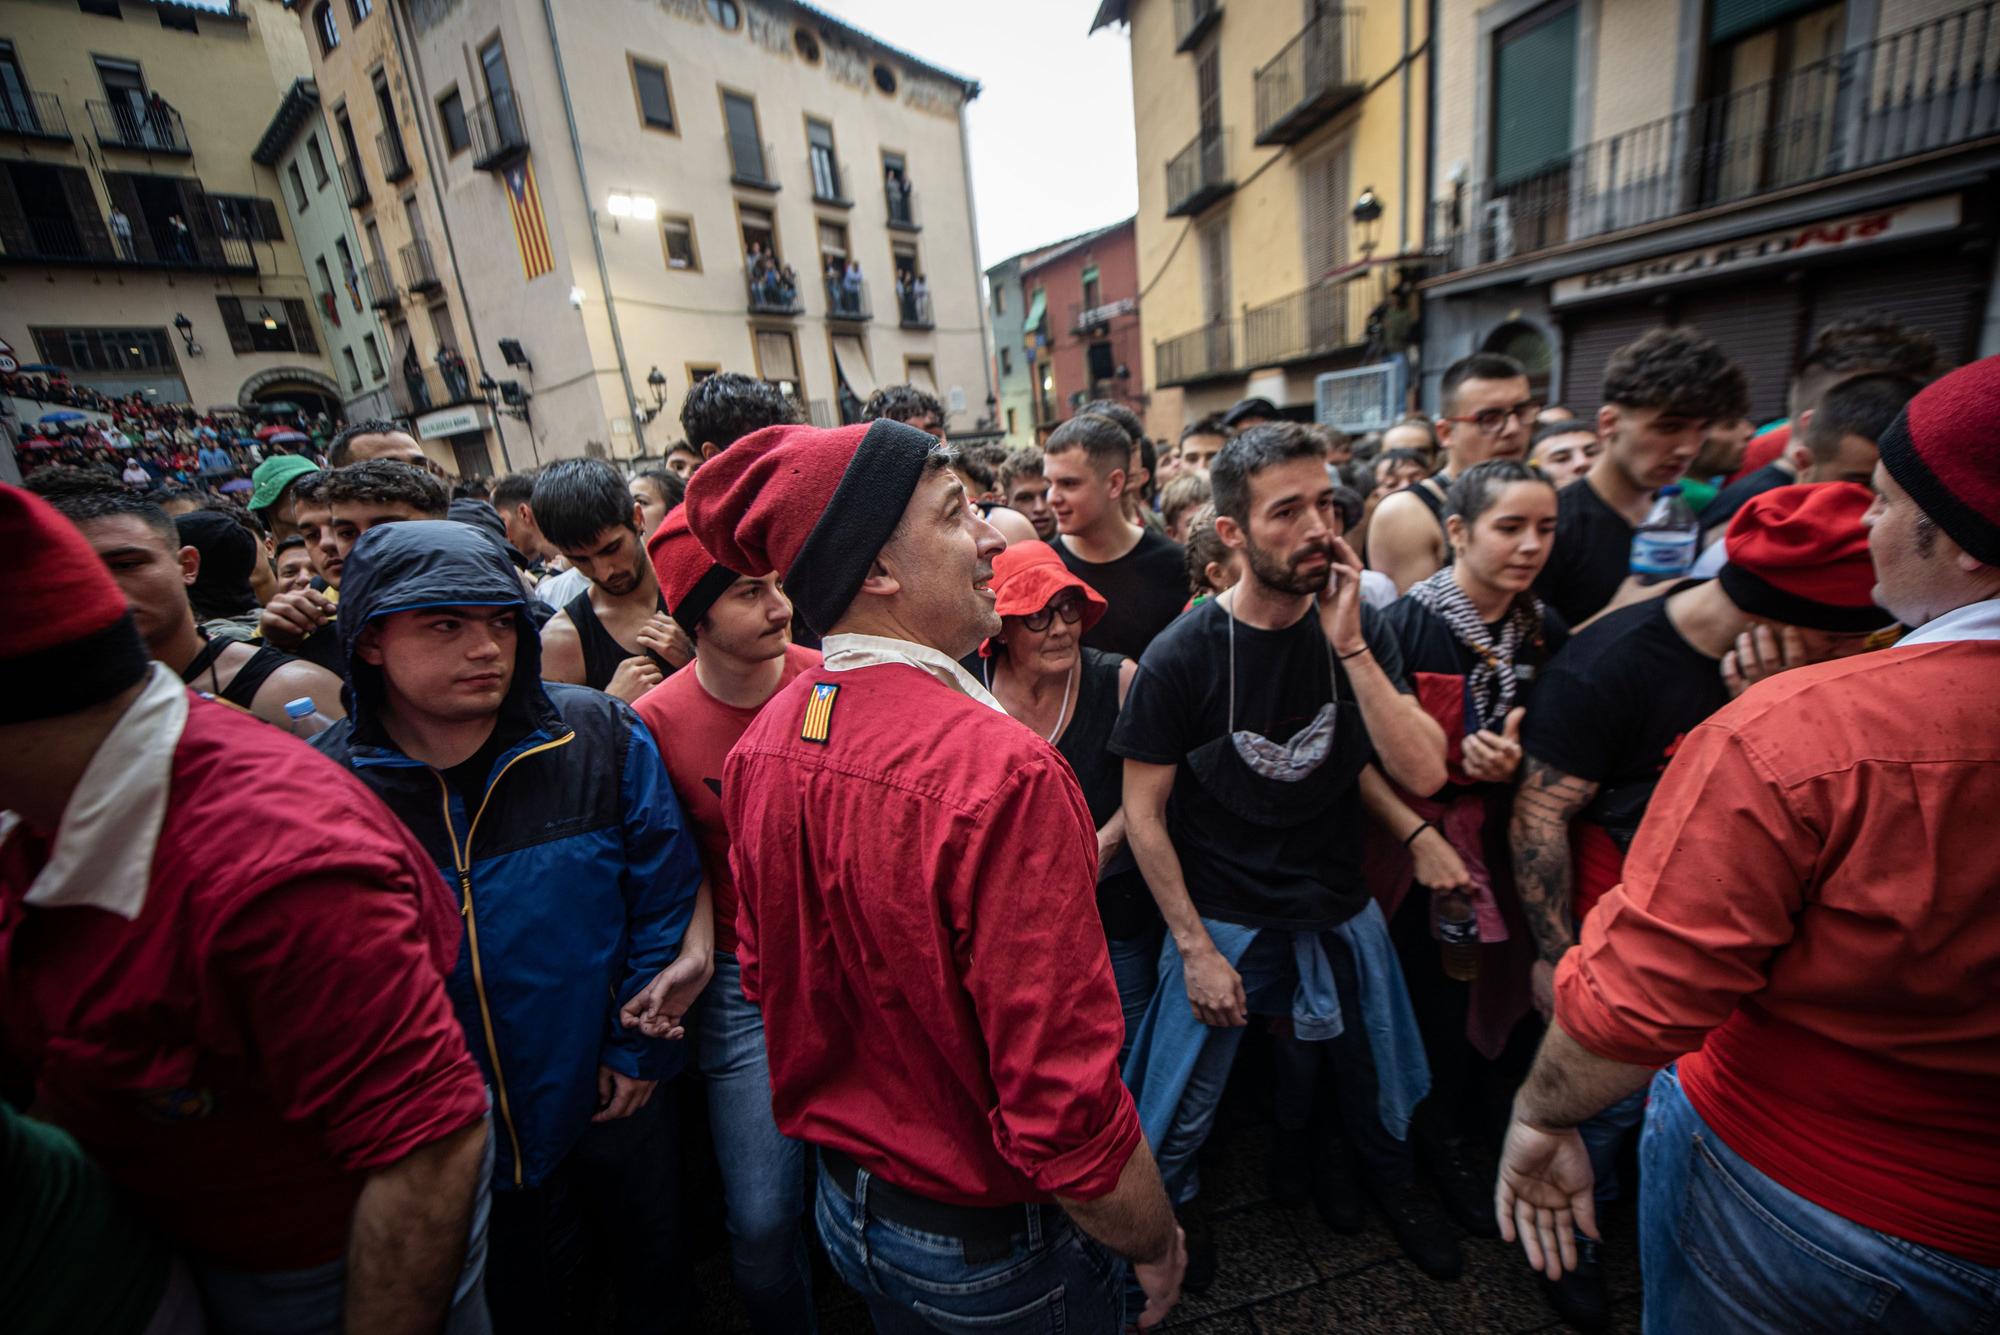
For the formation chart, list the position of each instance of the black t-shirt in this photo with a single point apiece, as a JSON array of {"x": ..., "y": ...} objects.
[
  {"x": 1143, "y": 590},
  {"x": 1592, "y": 554},
  {"x": 1742, "y": 491},
  {"x": 1615, "y": 705},
  {"x": 1429, "y": 647},
  {"x": 1303, "y": 878}
]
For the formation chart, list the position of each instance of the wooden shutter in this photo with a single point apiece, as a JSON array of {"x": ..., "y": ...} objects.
[
  {"x": 126, "y": 199},
  {"x": 1758, "y": 326},
  {"x": 199, "y": 215},
  {"x": 267, "y": 221},
  {"x": 1215, "y": 270},
  {"x": 1733, "y": 18},
  {"x": 1534, "y": 72},
  {"x": 83, "y": 212},
  {"x": 300, "y": 320},
  {"x": 233, "y": 321},
  {"x": 1323, "y": 205},
  {"x": 14, "y": 234}
]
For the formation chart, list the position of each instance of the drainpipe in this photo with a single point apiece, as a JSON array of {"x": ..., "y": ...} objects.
[
  {"x": 1403, "y": 165},
  {"x": 413, "y": 74},
  {"x": 596, "y": 237},
  {"x": 986, "y": 348}
]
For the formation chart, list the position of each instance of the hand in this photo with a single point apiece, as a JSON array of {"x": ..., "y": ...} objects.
[
  {"x": 664, "y": 636},
  {"x": 290, "y": 617},
  {"x": 1544, "y": 1195},
  {"x": 1214, "y": 989},
  {"x": 1492, "y": 757},
  {"x": 1340, "y": 602},
  {"x": 619, "y": 1095},
  {"x": 634, "y": 677},
  {"x": 1759, "y": 653},
  {"x": 1161, "y": 1281},
  {"x": 1108, "y": 847},
  {"x": 1542, "y": 988},
  {"x": 658, "y": 1009},
  {"x": 1436, "y": 864}
]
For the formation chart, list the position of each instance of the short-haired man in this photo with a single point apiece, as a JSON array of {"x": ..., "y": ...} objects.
[
  {"x": 292, "y": 559},
  {"x": 547, "y": 811},
  {"x": 1244, "y": 736},
  {"x": 512, "y": 498},
  {"x": 615, "y": 636},
  {"x": 1564, "y": 450},
  {"x": 1246, "y": 413},
  {"x": 1805, "y": 931},
  {"x": 1024, "y": 488},
  {"x": 743, "y": 655},
  {"x": 1661, "y": 392},
  {"x": 271, "y": 493},
  {"x": 232, "y": 998},
  {"x": 969, "y": 1089},
  {"x": 1487, "y": 412},
  {"x": 908, "y": 404},
  {"x": 1138, "y": 473},
  {"x": 1833, "y": 441},
  {"x": 683, "y": 458},
  {"x": 1200, "y": 442},
  {"x": 1873, "y": 344},
  {"x": 143, "y": 551},
  {"x": 1139, "y": 572},
  {"x": 723, "y": 408},
  {"x": 376, "y": 439}
]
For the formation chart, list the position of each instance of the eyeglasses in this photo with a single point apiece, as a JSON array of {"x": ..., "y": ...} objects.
[
  {"x": 1070, "y": 607},
  {"x": 1494, "y": 420}
]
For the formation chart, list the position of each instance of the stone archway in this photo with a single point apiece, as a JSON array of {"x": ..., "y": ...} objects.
[{"x": 314, "y": 391}]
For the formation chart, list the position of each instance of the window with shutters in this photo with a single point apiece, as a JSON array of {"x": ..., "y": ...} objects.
[
  {"x": 1773, "y": 87},
  {"x": 677, "y": 236},
  {"x": 105, "y": 349},
  {"x": 451, "y": 115},
  {"x": 267, "y": 325},
  {"x": 299, "y": 194},
  {"x": 1215, "y": 270},
  {"x": 353, "y": 370},
  {"x": 778, "y": 362},
  {"x": 746, "y": 143},
  {"x": 655, "y": 96},
  {"x": 327, "y": 26},
  {"x": 1208, "y": 89},
  {"x": 318, "y": 158},
  {"x": 1093, "y": 289},
  {"x": 1534, "y": 74},
  {"x": 374, "y": 356},
  {"x": 246, "y": 218},
  {"x": 827, "y": 185},
  {"x": 1323, "y": 212}
]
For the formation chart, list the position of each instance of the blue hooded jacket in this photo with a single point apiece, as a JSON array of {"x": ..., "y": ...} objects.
[{"x": 575, "y": 871}]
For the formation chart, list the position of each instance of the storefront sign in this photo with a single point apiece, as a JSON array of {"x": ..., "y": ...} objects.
[
  {"x": 1841, "y": 234},
  {"x": 449, "y": 422}
]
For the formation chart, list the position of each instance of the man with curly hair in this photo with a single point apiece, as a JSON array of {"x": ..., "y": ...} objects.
[
  {"x": 906, "y": 403},
  {"x": 1660, "y": 394},
  {"x": 724, "y": 408}
]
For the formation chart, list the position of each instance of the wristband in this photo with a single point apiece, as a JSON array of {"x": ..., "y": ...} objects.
[
  {"x": 1356, "y": 654},
  {"x": 1412, "y": 837}
]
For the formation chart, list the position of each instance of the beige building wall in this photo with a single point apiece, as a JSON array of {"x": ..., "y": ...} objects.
[
  {"x": 1636, "y": 61},
  {"x": 225, "y": 79}
]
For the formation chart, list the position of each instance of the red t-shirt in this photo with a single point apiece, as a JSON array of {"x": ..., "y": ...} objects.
[
  {"x": 1763, "y": 450},
  {"x": 695, "y": 731}
]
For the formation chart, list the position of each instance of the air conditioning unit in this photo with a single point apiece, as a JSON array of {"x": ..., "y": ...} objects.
[
  {"x": 1367, "y": 398},
  {"x": 1496, "y": 220}
]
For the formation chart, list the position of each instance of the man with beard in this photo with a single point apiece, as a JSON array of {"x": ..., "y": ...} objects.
[{"x": 1244, "y": 736}]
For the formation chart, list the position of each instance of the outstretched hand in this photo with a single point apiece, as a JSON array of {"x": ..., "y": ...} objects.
[{"x": 1544, "y": 1195}]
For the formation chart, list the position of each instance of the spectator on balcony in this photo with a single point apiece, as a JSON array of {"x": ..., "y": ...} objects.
[
  {"x": 121, "y": 234},
  {"x": 850, "y": 282},
  {"x": 452, "y": 367},
  {"x": 180, "y": 241}
]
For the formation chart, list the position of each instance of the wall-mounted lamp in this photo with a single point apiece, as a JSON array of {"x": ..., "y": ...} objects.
[
  {"x": 1367, "y": 214},
  {"x": 642, "y": 208},
  {"x": 270, "y": 321},
  {"x": 657, "y": 383},
  {"x": 185, "y": 328},
  {"x": 510, "y": 392}
]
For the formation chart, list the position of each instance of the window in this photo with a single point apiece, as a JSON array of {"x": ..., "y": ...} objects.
[
  {"x": 725, "y": 13},
  {"x": 1103, "y": 366},
  {"x": 1010, "y": 421},
  {"x": 806, "y": 45},
  {"x": 246, "y": 217},
  {"x": 759, "y": 231},
  {"x": 353, "y": 369},
  {"x": 1093, "y": 291},
  {"x": 746, "y": 142},
  {"x": 1208, "y": 90},
  {"x": 360, "y": 9},
  {"x": 677, "y": 235},
  {"x": 698, "y": 373},
  {"x": 1532, "y": 60},
  {"x": 778, "y": 362},
  {"x": 1006, "y": 360},
  {"x": 920, "y": 372},
  {"x": 347, "y": 274},
  {"x": 270, "y": 325},
  {"x": 825, "y": 166},
  {"x": 451, "y": 115},
  {"x": 327, "y": 26},
  {"x": 105, "y": 349},
  {"x": 175, "y": 21},
  {"x": 318, "y": 163},
  {"x": 1325, "y": 218},
  {"x": 656, "y": 99},
  {"x": 374, "y": 356},
  {"x": 999, "y": 299},
  {"x": 1768, "y": 69},
  {"x": 107, "y": 9},
  {"x": 885, "y": 78},
  {"x": 1215, "y": 270},
  {"x": 298, "y": 186}
]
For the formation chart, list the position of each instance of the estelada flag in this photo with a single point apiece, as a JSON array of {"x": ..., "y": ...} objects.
[{"x": 531, "y": 233}]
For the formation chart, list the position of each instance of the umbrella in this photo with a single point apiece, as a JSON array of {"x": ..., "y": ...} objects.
[
  {"x": 270, "y": 429},
  {"x": 238, "y": 484},
  {"x": 63, "y": 415}
]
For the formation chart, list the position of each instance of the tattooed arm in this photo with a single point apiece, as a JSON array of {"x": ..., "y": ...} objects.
[{"x": 1544, "y": 805}]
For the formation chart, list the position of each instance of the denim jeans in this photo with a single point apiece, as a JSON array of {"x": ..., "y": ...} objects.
[
  {"x": 763, "y": 1172},
  {"x": 1603, "y": 1135},
  {"x": 1055, "y": 1281},
  {"x": 1724, "y": 1249},
  {"x": 1135, "y": 964}
]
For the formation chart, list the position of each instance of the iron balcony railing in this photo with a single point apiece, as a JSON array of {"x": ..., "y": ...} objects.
[
  {"x": 1199, "y": 354},
  {"x": 353, "y": 182},
  {"x": 33, "y": 116},
  {"x": 498, "y": 138},
  {"x": 143, "y": 127},
  {"x": 1315, "y": 75},
  {"x": 56, "y": 238},
  {"x": 389, "y": 152},
  {"x": 1199, "y": 174},
  {"x": 829, "y": 180},
  {"x": 419, "y": 274},
  {"x": 1330, "y": 315},
  {"x": 847, "y": 301},
  {"x": 772, "y": 289},
  {"x": 418, "y": 389},
  {"x": 1922, "y": 89},
  {"x": 916, "y": 309},
  {"x": 902, "y": 202},
  {"x": 380, "y": 285},
  {"x": 1193, "y": 19}
]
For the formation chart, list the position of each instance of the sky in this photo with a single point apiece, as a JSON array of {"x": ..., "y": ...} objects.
[{"x": 1051, "y": 129}]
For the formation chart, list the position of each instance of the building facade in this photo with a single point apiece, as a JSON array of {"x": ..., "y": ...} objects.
[
  {"x": 1013, "y": 366},
  {"x": 1753, "y": 169},
  {"x": 142, "y": 248},
  {"x": 1081, "y": 326},
  {"x": 1281, "y": 151},
  {"x": 297, "y": 145}
]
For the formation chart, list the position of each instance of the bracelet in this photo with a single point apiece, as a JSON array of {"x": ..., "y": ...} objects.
[
  {"x": 1414, "y": 833},
  {"x": 1356, "y": 654}
]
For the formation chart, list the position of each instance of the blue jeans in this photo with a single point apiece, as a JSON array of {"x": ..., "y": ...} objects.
[
  {"x": 1725, "y": 1249},
  {"x": 1602, "y": 1136},
  {"x": 1135, "y": 965},
  {"x": 1055, "y": 1280},
  {"x": 763, "y": 1172}
]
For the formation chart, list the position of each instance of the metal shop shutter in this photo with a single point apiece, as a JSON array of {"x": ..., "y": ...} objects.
[
  {"x": 1588, "y": 342},
  {"x": 1759, "y": 327},
  {"x": 1942, "y": 296}
]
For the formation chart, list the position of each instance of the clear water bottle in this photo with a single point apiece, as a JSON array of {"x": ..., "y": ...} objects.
[
  {"x": 1458, "y": 936},
  {"x": 303, "y": 718},
  {"x": 1664, "y": 546}
]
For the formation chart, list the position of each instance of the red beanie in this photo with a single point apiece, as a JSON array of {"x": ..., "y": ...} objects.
[
  {"x": 690, "y": 579},
  {"x": 1799, "y": 555},
  {"x": 816, "y": 506},
  {"x": 1944, "y": 449},
  {"x": 67, "y": 641}
]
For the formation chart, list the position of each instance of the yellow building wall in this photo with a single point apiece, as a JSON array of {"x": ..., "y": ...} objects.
[{"x": 1638, "y": 42}]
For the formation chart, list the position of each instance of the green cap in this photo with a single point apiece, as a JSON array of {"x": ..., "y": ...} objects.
[{"x": 272, "y": 476}]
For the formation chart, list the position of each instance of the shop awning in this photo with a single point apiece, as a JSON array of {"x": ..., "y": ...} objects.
[
  {"x": 852, "y": 359},
  {"x": 775, "y": 356},
  {"x": 1036, "y": 309}
]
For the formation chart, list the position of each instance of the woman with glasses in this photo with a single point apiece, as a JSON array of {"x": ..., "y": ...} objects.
[{"x": 1039, "y": 671}]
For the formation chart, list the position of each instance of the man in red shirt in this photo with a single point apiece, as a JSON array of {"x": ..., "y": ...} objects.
[
  {"x": 234, "y": 1003},
  {"x": 743, "y": 655},
  {"x": 1807, "y": 922},
  {"x": 918, "y": 918}
]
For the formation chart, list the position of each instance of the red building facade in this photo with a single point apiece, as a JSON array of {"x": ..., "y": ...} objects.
[{"x": 1082, "y": 331}]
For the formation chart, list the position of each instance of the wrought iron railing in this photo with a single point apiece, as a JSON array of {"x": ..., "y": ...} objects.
[
  {"x": 846, "y": 301},
  {"x": 33, "y": 115},
  {"x": 498, "y": 137},
  {"x": 1316, "y": 74},
  {"x": 1330, "y": 315},
  {"x": 149, "y": 127},
  {"x": 1199, "y": 175},
  {"x": 353, "y": 182},
  {"x": 389, "y": 152},
  {"x": 419, "y": 274},
  {"x": 1197, "y": 354}
]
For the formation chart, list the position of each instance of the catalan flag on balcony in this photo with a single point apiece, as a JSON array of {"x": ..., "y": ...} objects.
[{"x": 531, "y": 232}]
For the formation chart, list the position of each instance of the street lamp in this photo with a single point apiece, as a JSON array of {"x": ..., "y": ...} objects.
[
  {"x": 185, "y": 328},
  {"x": 658, "y": 384},
  {"x": 1367, "y": 213},
  {"x": 509, "y": 391},
  {"x": 270, "y": 321}
]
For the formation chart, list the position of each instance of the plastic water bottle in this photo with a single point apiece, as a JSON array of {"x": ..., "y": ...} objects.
[
  {"x": 1458, "y": 936},
  {"x": 1664, "y": 546},
  {"x": 304, "y": 719}
]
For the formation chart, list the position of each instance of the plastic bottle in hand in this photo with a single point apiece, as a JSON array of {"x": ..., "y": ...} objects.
[
  {"x": 1458, "y": 936},
  {"x": 1664, "y": 546},
  {"x": 303, "y": 718}
]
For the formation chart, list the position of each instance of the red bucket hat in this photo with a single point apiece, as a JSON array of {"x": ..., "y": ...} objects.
[
  {"x": 1799, "y": 555},
  {"x": 1028, "y": 576}
]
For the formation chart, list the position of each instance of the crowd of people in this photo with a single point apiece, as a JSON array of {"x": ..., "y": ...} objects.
[{"x": 890, "y": 851}]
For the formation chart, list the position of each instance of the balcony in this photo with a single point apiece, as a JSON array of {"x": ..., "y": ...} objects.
[
  {"x": 33, "y": 116},
  {"x": 139, "y": 127},
  {"x": 1327, "y": 317},
  {"x": 1315, "y": 76},
  {"x": 847, "y": 303},
  {"x": 498, "y": 140},
  {"x": 830, "y": 182},
  {"x": 915, "y": 306},
  {"x": 1923, "y": 89},
  {"x": 751, "y": 164},
  {"x": 1192, "y": 21},
  {"x": 380, "y": 286},
  {"x": 422, "y": 388},
  {"x": 56, "y": 237},
  {"x": 419, "y": 274},
  {"x": 1198, "y": 175},
  {"x": 772, "y": 289},
  {"x": 901, "y": 198},
  {"x": 353, "y": 182},
  {"x": 1085, "y": 319},
  {"x": 329, "y": 306},
  {"x": 389, "y": 152},
  {"x": 1206, "y": 353}
]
